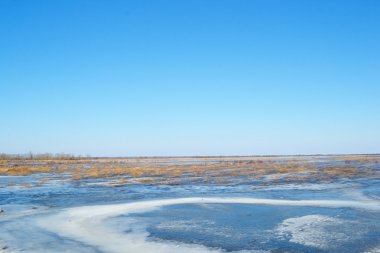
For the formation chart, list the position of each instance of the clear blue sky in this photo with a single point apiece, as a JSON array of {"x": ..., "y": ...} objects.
[{"x": 190, "y": 77}]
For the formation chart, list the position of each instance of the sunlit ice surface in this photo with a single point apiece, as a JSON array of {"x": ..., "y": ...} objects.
[{"x": 223, "y": 204}]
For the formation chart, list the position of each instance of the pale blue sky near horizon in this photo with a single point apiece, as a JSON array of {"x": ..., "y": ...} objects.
[{"x": 202, "y": 77}]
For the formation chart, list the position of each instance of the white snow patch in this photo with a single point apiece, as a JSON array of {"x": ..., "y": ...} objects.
[
  {"x": 373, "y": 250},
  {"x": 4, "y": 248},
  {"x": 86, "y": 224},
  {"x": 313, "y": 230}
]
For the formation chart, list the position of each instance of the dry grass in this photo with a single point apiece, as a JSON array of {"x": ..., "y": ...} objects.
[
  {"x": 216, "y": 170},
  {"x": 23, "y": 170}
]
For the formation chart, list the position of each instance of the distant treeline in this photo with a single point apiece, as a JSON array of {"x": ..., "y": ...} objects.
[{"x": 44, "y": 156}]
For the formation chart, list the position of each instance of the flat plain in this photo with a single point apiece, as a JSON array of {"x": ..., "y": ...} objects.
[{"x": 191, "y": 204}]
